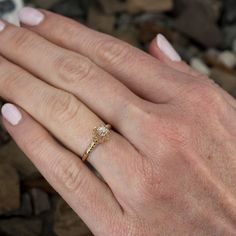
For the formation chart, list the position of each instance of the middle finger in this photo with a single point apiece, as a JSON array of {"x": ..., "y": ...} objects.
[{"x": 74, "y": 73}]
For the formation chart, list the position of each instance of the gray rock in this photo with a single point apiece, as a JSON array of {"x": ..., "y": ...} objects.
[
  {"x": 229, "y": 15},
  {"x": 12, "y": 16},
  {"x": 10, "y": 189},
  {"x": 45, "y": 3},
  {"x": 21, "y": 227},
  {"x": 234, "y": 46},
  {"x": 70, "y": 8},
  {"x": 229, "y": 33},
  {"x": 135, "y": 6},
  {"x": 40, "y": 201},
  {"x": 228, "y": 59},
  {"x": 6, "y": 6},
  {"x": 200, "y": 66}
]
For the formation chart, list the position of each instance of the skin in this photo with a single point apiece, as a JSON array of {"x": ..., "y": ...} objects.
[{"x": 170, "y": 166}]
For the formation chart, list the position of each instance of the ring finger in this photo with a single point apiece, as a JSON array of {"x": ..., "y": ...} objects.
[{"x": 71, "y": 122}]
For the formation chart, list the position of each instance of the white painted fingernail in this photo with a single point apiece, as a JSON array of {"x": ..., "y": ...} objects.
[
  {"x": 167, "y": 48},
  {"x": 11, "y": 114},
  {"x": 2, "y": 25},
  {"x": 30, "y": 16}
]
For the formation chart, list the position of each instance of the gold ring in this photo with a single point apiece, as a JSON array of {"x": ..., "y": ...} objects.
[{"x": 101, "y": 134}]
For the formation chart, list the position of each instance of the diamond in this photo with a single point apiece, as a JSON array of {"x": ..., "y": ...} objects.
[{"x": 102, "y": 131}]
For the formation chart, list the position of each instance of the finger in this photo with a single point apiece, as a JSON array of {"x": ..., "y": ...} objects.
[
  {"x": 71, "y": 72},
  {"x": 161, "y": 49},
  {"x": 123, "y": 61},
  {"x": 71, "y": 122},
  {"x": 85, "y": 193}
]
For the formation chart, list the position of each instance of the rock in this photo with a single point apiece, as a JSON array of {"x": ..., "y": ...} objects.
[
  {"x": 39, "y": 183},
  {"x": 229, "y": 15},
  {"x": 229, "y": 34},
  {"x": 225, "y": 60},
  {"x": 21, "y": 227},
  {"x": 40, "y": 201},
  {"x": 211, "y": 7},
  {"x": 187, "y": 53},
  {"x": 4, "y": 136},
  {"x": 12, "y": 16},
  {"x": 12, "y": 155},
  {"x": 226, "y": 79},
  {"x": 211, "y": 58},
  {"x": 135, "y": 6},
  {"x": 128, "y": 35},
  {"x": 234, "y": 46},
  {"x": 45, "y": 3},
  {"x": 10, "y": 189},
  {"x": 6, "y": 6},
  {"x": 25, "y": 207},
  {"x": 200, "y": 66},
  {"x": 67, "y": 222},
  {"x": 201, "y": 27},
  {"x": 70, "y": 8},
  {"x": 112, "y": 6},
  {"x": 228, "y": 59},
  {"x": 100, "y": 21}
]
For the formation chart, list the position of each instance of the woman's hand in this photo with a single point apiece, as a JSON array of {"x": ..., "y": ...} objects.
[{"x": 169, "y": 167}]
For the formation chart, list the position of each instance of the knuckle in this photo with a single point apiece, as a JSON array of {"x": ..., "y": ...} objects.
[
  {"x": 113, "y": 52},
  {"x": 69, "y": 175},
  {"x": 72, "y": 69},
  {"x": 37, "y": 145},
  {"x": 205, "y": 96},
  {"x": 12, "y": 80},
  {"x": 63, "y": 107},
  {"x": 21, "y": 39}
]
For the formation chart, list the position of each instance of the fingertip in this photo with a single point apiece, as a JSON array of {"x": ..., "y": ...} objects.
[
  {"x": 153, "y": 49},
  {"x": 11, "y": 114}
]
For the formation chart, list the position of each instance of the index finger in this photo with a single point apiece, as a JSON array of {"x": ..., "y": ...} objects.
[{"x": 120, "y": 59}]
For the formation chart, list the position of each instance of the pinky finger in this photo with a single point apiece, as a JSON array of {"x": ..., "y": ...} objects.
[
  {"x": 161, "y": 49},
  {"x": 84, "y": 192}
]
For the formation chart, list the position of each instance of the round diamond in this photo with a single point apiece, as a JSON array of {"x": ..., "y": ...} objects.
[{"x": 102, "y": 131}]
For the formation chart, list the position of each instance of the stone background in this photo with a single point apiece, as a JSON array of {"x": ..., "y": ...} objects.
[{"x": 203, "y": 32}]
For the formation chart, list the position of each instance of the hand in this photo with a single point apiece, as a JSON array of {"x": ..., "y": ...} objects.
[{"x": 169, "y": 167}]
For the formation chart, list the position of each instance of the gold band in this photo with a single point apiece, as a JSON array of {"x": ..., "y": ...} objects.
[{"x": 101, "y": 134}]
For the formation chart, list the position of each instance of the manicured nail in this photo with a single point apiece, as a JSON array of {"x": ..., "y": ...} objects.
[
  {"x": 30, "y": 16},
  {"x": 2, "y": 25},
  {"x": 167, "y": 48},
  {"x": 11, "y": 114}
]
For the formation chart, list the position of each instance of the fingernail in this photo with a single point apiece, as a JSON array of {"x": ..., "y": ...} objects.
[
  {"x": 30, "y": 16},
  {"x": 167, "y": 48},
  {"x": 2, "y": 25},
  {"x": 11, "y": 114}
]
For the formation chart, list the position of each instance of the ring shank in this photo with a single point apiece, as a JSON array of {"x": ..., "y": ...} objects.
[{"x": 89, "y": 150}]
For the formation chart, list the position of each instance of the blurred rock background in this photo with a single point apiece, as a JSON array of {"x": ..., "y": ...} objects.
[{"x": 202, "y": 31}]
